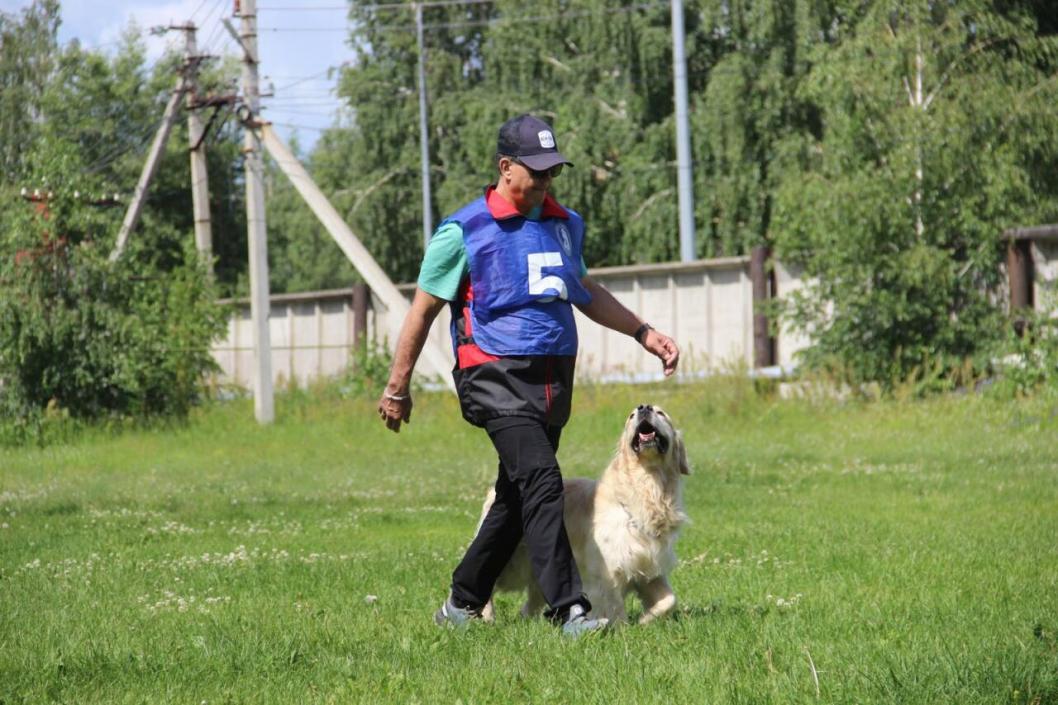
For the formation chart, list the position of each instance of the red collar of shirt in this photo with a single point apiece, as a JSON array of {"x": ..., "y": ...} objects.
[{"x": 502, "y": 209}]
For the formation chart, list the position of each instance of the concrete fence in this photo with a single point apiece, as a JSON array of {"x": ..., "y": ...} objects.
[{"x": 707, "y": 306}]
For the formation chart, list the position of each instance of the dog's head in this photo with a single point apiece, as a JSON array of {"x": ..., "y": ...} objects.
[{"x": 652, "y": 437}]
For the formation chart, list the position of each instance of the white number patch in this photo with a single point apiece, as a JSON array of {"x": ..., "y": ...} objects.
[{"x": 550, "y": 284}]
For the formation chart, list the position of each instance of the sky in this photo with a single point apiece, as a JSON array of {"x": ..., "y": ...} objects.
[{"x": 298, "y": 41}]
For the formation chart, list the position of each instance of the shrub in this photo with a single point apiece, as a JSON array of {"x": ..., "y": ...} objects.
[{"x": 85, "y": 338}]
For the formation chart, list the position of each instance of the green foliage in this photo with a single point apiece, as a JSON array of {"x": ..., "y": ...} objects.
[
  {"x": 1027, "y": 363},
  {"x": 92, "y": 119},
  {"x": 27, "y": 54},
  {"x": 81, "y": 338},
  {"x": 87, "y": 338},
  {"x": 935, "y": 126},
  {"x": 367, "y": 371},
  {"x": 302, "y": 255},
  {"x": 600, "y": 71},
  {"x": 809, "y": 132}
]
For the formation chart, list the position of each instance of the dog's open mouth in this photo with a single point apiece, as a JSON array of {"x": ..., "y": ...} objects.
[{"x": 647, "y": 436}]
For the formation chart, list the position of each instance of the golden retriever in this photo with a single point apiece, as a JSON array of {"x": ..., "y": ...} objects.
[{"x": 622, "y": 528}]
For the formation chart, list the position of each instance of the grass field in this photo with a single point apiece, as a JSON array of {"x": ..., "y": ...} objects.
[{"x": 877, "y": 553}]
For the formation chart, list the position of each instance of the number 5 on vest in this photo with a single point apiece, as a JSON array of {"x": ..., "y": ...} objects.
[{"x": 551, "y": 284}]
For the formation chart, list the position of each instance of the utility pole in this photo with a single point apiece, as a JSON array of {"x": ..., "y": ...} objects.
[
  {"x": 424, "y": 135},
  {"x": 196, "y": 140},
  {"x": 263, "y": 397},
  {"x": 150, "y": 168},
  {"x": 688, "y": 249}
]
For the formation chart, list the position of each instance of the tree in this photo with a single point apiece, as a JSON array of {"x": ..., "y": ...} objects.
[
  {"x": 599, "y": 70},
  {"x": 936, "y": 134},
  {"x": 78, "y": 334},
  {"x": 27, "y": 50},
  {"x": 302, "y": 254}
]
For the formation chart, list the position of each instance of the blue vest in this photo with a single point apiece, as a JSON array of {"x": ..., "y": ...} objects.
[{"x": 524, "y": 277}]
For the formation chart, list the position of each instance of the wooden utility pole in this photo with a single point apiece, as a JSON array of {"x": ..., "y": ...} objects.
[
  {"x": 196, "y": 140},
  {"x": 263, "y": 395},
  {"x": 150, "y": 168}
]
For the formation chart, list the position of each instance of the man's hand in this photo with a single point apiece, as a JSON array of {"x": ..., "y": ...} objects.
[
  {"x": 395, "y": 409},
  {"x": 664, "y": 348},
  {"x": 395, "y": 405}
]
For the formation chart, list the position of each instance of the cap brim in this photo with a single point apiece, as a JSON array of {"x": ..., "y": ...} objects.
[{"x": 540, "y": 162}]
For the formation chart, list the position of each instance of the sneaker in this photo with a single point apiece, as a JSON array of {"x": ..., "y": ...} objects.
[
  {"x": 578, "y": 624},
  {"x": 455, "y": 616}
]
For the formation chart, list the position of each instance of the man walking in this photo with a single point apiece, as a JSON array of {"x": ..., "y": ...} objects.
[{"x": 510, "y": 265}]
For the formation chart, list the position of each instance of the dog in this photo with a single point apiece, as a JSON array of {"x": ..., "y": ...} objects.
[{"x": 623, "y": 528}]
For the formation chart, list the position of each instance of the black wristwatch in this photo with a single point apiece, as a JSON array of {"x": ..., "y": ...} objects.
[{"x": 642, "y": 331}]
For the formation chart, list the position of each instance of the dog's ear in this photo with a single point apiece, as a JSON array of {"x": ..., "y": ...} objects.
[{"x": 681, "y": 455}]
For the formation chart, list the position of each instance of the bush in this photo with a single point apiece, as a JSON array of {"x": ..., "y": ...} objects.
[
  {"x": 82, "y": 338},
  {"x": 1028, "y": 363},
  {"x": 368, "y": 371}
]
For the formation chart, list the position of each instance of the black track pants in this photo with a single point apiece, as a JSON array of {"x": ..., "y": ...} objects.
[{"x": 528, "y": 503}]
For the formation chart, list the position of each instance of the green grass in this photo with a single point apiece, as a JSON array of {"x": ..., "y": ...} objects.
[{"x": 879, "y": 553}]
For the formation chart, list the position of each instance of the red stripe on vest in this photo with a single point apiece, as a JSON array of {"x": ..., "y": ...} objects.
[{"x": 470, "y": 355}]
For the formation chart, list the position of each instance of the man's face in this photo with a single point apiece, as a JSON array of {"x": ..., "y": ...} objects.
[{"x": 526, "y": 187}]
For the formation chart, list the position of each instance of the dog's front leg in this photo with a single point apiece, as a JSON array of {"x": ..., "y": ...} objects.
[{"x": 657, "y": 597}]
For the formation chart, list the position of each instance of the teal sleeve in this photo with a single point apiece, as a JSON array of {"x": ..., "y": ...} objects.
[
  {"x": 583, "y": 268},
  {"x": 445, "y": 264}
]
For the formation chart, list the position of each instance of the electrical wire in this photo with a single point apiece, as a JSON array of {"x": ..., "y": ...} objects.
[
  {"x": 218, "y": 31},
  {"x": 304, "y": 113},
  {"x": 481, "y": 23},
  {"x": 197, "y": 10},
  {"x": 136, "y": 145},
  {"x": 308, "y": 127},
  {"x": 306, "y": 79},
  {"x": 377, "y": 6}
]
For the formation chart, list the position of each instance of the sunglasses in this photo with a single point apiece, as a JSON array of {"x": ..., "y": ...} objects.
[{"x": 537, "y": 174}]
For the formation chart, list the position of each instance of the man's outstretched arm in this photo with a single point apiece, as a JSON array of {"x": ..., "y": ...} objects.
[
  {"x": 395, "y": 405},
  {"x": 607, "y": 311}
]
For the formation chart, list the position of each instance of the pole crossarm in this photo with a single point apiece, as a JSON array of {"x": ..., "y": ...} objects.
[{"x": 437, "y": 360}]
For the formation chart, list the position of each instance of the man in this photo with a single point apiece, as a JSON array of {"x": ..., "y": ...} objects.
[{"x": 510, "y": 265}]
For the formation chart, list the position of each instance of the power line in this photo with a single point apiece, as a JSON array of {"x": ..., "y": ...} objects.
[
  {"x": 377, "y": 6},
  {"x": 481, "y": 23},
  {"x": 297, "y": 126},
  {"x": 217, "y": 28},
  {"x": 197, "y": 10},
  {"x": 307, "y": 113},
  {"x": 306, "y": 79},
  {"x": 137, "y": 144},
  {"x": 289, "y": 104},
  {"x": 308, "y": 95}
]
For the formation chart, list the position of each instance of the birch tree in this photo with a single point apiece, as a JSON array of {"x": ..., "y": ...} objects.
[{"x": 936, "y": 133}]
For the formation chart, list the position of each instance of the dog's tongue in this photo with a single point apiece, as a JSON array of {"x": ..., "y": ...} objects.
[{"x": 646, "y": 437}]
